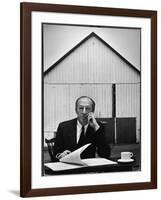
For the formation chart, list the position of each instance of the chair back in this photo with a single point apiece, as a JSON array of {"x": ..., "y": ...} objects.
[{"x": 50, "y": 145}]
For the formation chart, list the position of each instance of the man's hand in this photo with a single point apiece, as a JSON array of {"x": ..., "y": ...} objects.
[
  {"x": 64, "y": 153},
  {"x": 92, "y": 121}
]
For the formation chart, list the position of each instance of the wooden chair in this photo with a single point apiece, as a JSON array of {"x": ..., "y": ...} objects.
[{"x": 50, "y": 144}]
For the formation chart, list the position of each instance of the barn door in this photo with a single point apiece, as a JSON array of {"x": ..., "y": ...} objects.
[{"x": 127, "y": 113}]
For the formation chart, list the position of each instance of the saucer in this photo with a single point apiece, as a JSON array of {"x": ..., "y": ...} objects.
[{"x": 125, "y": 161}]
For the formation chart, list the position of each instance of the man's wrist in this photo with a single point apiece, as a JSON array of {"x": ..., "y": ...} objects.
[{"x": 96, "y": 127}]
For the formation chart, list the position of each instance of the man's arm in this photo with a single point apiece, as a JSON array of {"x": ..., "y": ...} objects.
[
  {"x": 103, "y": 147},
  {"x": 59, "y": 151},
  {"x": 58, "y": 145}
]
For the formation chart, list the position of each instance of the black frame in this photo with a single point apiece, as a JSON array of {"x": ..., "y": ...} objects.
[{"x": 26, "y": 85}]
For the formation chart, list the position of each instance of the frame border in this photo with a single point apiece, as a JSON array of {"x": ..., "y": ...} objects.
[{"x": 25, "y": 98}]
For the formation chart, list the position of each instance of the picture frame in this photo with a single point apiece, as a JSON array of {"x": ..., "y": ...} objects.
[{"x": 28, "y": 87}]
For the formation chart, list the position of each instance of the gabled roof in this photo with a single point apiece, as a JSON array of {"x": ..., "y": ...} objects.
[{"x": 80, "y": 43}]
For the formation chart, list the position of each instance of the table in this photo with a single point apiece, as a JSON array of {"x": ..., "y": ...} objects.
[{"x": 120, "y": 167}]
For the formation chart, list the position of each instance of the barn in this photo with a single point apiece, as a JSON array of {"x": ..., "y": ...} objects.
[{"x": 95, "y": 69}]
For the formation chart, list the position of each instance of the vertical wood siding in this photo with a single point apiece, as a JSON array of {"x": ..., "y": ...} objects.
[
  {"x": 92, "y": 62},
  {"x": 128, "y": 103},
  {"x": 59, "y": 102},
  {"x": 91, "y": 70}
]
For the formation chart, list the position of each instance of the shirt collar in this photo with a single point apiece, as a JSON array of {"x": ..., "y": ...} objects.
[{"x": 80, "y": 125}]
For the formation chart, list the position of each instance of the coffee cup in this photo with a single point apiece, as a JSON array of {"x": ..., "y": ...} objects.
[{"x": 126, "y": 155}]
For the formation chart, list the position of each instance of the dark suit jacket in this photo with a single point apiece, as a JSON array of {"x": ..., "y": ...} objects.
[{"x": 66, "y": 140}]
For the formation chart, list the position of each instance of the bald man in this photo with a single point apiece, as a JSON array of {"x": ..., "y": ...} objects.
[{"x": 82, "y": 130}]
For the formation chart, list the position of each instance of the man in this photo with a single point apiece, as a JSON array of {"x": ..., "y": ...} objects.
[{"x": 82, "y": 130}]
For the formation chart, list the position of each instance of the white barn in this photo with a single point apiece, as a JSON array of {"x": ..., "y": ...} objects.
[{"x": 95, "y": 69}]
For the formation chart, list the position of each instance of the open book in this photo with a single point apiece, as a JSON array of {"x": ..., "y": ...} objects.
[{"x": 74, "y": 161}]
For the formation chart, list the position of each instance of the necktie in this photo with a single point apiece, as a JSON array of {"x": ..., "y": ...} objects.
[{"x": 82, "y": 137}]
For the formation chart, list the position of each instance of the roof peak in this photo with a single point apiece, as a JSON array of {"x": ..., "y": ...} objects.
[{"x": 81, "y": 42}]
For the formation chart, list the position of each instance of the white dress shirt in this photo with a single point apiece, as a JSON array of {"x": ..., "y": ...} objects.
[{"x": 79, "y": 130}]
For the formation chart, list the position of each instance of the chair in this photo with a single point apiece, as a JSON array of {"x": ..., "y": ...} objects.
[{"x": 50, "y": 144}]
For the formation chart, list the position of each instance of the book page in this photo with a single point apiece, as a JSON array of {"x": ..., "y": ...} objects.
[
  {"x": 74, "y": 157},
  {"x": 59, "y": 166},
  {"x": 98, "y": 161},
  {"x": 74, "y": 161}
]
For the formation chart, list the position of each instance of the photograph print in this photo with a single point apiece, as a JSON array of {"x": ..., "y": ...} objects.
[{"x": 91, "y": 99}]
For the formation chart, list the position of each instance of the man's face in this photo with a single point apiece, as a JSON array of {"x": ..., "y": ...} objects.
[{"x": 84, "y": 107}]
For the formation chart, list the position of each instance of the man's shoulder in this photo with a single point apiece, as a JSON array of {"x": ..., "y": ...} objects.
[{"x": 68, "y": 122}]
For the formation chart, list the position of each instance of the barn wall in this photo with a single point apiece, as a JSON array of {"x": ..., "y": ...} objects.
[
  {"x": 92, "y": 62},
  {"x": 91, "y": 70},
  {"x": 59, "y": 102},
  {"x": 128, "y": 103}
]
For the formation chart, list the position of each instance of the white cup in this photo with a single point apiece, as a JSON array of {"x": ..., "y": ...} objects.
[{"x": 126, "y": 155}]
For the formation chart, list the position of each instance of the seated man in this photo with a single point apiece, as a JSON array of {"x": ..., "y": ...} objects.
[{"x": 82, "y": 130}]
